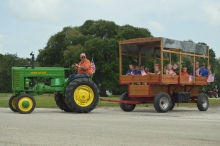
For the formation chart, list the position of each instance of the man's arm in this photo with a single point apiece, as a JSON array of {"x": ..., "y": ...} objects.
[
  {"x": 128, "y": 72},
  {"x": 86, "y": 65},
  {"x": 82, "y": 67},
  {"x": 75, "y": 66}
]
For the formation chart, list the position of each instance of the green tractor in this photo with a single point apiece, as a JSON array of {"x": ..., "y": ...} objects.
[{"x": 79, "y": 94}]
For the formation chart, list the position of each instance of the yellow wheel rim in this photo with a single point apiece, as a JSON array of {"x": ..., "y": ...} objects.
[
  {"x": 25, "y": 104},
  {"x": 83, "y": 95},
  {"x": 13, "y": 102}
]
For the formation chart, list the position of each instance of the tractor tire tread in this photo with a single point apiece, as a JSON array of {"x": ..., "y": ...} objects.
[{"x": 70, "y": 91}]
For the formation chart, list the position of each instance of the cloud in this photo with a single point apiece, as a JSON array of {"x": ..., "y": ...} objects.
[
  {"x": 155, "y": 26},
  {"x": 212, "y": 12},
  {"x": 1, "y": 37},
  {"x": 46, "y": 10}
]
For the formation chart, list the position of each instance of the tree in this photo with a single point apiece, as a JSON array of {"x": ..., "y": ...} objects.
[
  {"x": 52, "y": 54},
  {"x": 98, "y": 39},
  {"x": 8, "y": 61}
]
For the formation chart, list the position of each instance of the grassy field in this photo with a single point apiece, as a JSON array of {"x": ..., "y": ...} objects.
[{"x": 46, "y": 101}]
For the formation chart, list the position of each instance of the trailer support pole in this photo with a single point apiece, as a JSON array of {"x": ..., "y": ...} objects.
[{"x": 120, "y": 60}]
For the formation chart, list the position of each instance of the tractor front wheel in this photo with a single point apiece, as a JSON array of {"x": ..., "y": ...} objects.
[
  {"x": 11, "y": 103},
  {"x": 82, "y": 95},
  {"x": 25, "y": 104},
  {"x": 126, "y": 107},
  {"x": 60, "y": 101}
]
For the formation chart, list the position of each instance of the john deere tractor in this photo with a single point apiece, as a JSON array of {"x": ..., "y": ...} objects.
[{"x": 75, "y": 95}]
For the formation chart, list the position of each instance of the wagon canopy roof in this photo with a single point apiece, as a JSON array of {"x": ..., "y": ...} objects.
[{"x": 147, "y": 45}]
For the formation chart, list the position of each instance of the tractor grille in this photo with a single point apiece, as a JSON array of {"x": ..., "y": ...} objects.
[{"x": 16, "y": 81}]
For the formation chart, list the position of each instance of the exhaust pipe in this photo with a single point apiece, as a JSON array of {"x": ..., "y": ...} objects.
[{"x": 32, "y": 60}]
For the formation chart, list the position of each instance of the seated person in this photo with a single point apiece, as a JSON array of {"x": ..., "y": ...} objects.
[
  {"x": 142, "y": 71},
  {"x": 184, "y": 72},
  {"x": 215, "y": 89},
  {"x": 156, "y": 70},
  {"x": 146, "y": 70},
  {"x": 138, "y": 69},
  {"x": 83, "y": 68},
  {"x": 203, "y": 71},
  {"x": 141, "y": 67},
  {"x": 197, "y": 69},
  {"x": 169, "y": 70},
  {"x": 131, "y": 70}
]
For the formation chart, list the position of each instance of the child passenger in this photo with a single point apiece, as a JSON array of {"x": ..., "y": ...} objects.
[
  {"x": 184, "y": 72},
  {"x": 169, "y": 70}
]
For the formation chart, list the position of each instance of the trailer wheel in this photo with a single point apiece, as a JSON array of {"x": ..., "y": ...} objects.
[
  {"x": 25, "y": 104},
  {"x": 126, "y": 107},
  {"x": 60, "y": 102},
  {"x": 162, "y": 102},
  {"x": 172, "y": 106},
  {"x": 11, "y": 103},
  {"x": 202, "y": 102},
  {"x": 82, "y": 95}
]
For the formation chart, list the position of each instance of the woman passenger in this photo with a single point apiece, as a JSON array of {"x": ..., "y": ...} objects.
[
  {"x": 197, "y": 69},
  {"x": 156, "y": 69}
]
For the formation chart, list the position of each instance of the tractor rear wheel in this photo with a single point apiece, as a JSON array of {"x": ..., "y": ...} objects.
[
  {"x": 202, "y": 102},
  {"x": 11, "y": 103},
  {"x": 82, "y": 95},
  {"x": 162, "y": 102},
  {"x": 25, "y": 104},
  {"x": 60, "y": 102},
  {"x": 126, "y": 107}
]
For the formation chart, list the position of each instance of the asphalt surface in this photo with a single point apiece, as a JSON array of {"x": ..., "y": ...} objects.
[{"x": 111, "y": 127}]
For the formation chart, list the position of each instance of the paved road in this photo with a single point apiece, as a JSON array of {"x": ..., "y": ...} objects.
[{"x": 111, "y": 127}]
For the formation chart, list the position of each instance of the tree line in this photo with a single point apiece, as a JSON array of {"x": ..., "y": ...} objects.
[{"x": 99, "y": 40}]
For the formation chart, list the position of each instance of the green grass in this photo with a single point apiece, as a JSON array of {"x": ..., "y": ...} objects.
[{"x": 46, "y": 101}]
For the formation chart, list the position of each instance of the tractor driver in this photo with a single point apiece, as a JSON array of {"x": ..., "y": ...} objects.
[{"x": 83, "y": 68}]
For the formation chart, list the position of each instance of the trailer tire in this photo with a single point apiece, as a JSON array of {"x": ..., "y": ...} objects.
[
  {"x": 172, "y": 106},
  {"x": 162, "y": 102},
  {"x": 11, "y": 103},
  {"x": 25, "y": 104},
  {"x": 202, "y": 102},
  {"x": 126, "y": 107},
  {"x": 82, "y": 95},
  {"x": 61, "y": 103}
]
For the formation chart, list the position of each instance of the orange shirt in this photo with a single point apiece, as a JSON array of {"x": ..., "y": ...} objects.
[
  {"x": 87, "y": 65},
  {"x": 184, "y": 74}
]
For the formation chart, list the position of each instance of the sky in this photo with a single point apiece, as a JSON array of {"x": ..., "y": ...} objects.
[{"x": 26, "y": 25}]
